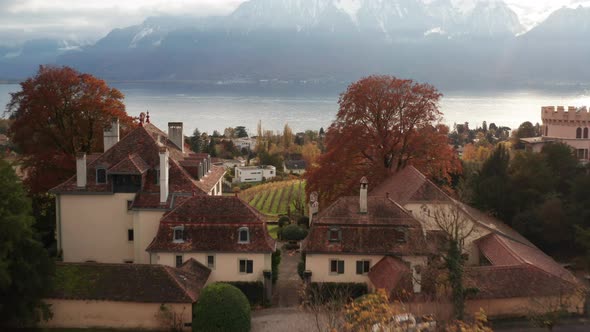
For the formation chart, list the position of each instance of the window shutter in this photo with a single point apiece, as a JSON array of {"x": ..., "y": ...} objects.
[
  {"x": 333, "y": 266},
  {"x": 250, "y": 266},
  {"x": 242, "y": 265},
  {"x": 366, "y": 266},
  {"x": 359, "y": 267},
  {"x": 340, "y": 267}
]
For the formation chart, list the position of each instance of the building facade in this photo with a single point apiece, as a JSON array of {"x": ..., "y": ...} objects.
[{"x": 255, "y": 173}]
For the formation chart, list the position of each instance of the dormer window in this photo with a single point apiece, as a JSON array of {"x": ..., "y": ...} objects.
[
  {"x": 101, "y": 175},
  {"x": 243, "y": 235},
  {"x": 178, "y": 234},
  {"x": 334, "y": 235}
]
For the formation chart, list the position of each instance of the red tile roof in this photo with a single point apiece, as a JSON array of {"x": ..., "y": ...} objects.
[
  {"x": 376, "y": 232},
  {"x": 129, "y": 282},
  {"x": 389, "y": 273},
  {"x": 211, "y": 223},
  {"x": 409, "y": 185},
  {"x": 138, "y": 152}
]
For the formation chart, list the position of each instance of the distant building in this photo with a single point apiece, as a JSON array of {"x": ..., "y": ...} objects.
[
  {"x": 569, "y": 126},
  {"x": 245, "y": 143},
  {"x": 255, "y": 173},
  {"x": 294, "y": 166}
]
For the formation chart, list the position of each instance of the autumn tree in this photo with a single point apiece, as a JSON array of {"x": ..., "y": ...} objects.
[
  {"x": 58, "y": 113},
  {"x": 383, "y": 124}
]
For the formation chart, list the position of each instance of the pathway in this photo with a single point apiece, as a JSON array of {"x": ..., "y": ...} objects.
[{"x": 287, "y": 288}]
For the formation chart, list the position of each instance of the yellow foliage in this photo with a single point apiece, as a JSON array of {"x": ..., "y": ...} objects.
[
  {"x": 479, "y": 325},
  {"x": 367, "y": 311}
]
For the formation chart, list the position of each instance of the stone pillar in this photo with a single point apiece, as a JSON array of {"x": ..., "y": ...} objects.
[
  {"x": 307, "y": 278},
  {"x": 267, "y": 286}
]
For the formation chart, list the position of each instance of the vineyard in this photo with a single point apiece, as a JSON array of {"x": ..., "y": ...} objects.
[{"x": 276, "y": 198}]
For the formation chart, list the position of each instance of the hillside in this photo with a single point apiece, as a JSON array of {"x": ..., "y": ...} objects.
[{"x": 275, "y": 198}]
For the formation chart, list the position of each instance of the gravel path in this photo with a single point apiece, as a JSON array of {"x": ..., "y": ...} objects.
[{"x": 289, "y": 284}]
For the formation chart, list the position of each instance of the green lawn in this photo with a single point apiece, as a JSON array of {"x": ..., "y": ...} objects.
[{"x": 272, "y": 230}]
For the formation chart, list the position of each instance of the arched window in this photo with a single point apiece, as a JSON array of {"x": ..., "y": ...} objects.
[
  {"x": 579, "y": 133},
  {"x": 178, "y": 234},
  {"x": 585, "y": 132},
  {"x": 243, "y": 235}
]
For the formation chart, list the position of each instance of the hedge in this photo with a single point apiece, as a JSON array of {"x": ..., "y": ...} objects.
[
  {"x": 253, "y": 290},
  {"x": 293, "y": 233},
  {"x": 326, "y": 291},
  {"x": 221, "y": 307},
  {"x": 276, "y": 260}
]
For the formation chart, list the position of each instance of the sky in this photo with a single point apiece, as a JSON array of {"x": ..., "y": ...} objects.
[{"x": 89, "y": 20}]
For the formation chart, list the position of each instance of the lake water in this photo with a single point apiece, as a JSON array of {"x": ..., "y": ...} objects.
[{"x": 211, "y": 108}]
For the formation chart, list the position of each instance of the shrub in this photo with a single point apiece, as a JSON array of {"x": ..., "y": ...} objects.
[
  {"x": 253, "y": 290},
  {"x": 293, "y": 233},
  {"x": 283, "y": 221},
  {"x": 326, "y": 291},
  {"x": 303, "y": 222},
  {"x": 221, "y": 307},
  {"x": 276, "y": 260}
]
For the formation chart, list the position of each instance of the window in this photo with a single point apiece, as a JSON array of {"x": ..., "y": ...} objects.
[
  {"x": 579, "y": 133},
  {"x": 211, "y": 261},
  {"x": 178, "y": 260},
  {"x": 336, "y": 266},
  {"x": 334, "y": 235},
  {"x": 128, "y": 261},
  {"x": 129, "y": 235},
  {"x": 546, "y": 130},
  {"x": 129, "y": 205},
  {"x": 157, "y": 177},
  {"x": 101, "y": 175},
  {"x": 246, "y": 266},
  {"x": 243, "y": 235},
  {"x": 582, "y": 154},
  {"x": 585, "y": 132},
  {"x": 178, "y": 234},
  {"x": 362, "y": 267},
  {"x": 400, "y": 235}
]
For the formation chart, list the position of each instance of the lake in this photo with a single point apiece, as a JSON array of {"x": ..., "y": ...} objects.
[{"x": 210, "y": 107}]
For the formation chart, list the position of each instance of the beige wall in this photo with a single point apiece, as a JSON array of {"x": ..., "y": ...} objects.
[
  {"x": 94, "y": 227},
  {"x": 226, "y": 264},
  {"x": 319, "y": 265},
  {"x": 420, "y": 212},
  {"x": 110, "y": 314},
  {"x": 145, "y": 227}
]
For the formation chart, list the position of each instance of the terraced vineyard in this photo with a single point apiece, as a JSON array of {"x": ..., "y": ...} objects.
[{"x": 273, "y": 199}]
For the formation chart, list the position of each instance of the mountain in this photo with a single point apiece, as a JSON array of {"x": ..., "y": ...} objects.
[{"x": 452, "y": 43}]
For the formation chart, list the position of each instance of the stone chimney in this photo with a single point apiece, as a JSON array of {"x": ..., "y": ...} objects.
[
  {"x": 164, "y": 167},
  {"x": 111, "y": 134},
  {"x": 81, "y": 170},
  {"x": 363, "y": 195},
  {"x": 175, "y": 134}
]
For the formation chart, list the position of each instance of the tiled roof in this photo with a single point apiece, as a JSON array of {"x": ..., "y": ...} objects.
[
  {"x": 409, "y": 185},
  {"x": 375, "y": 232},
  {"x": 389, "y": 273},
  {"x": 380, "y": 210},
  {"x": 129, "y": 282},
  {"x": 211, "y": 223},
  {"x": 295, "y": 164},
  {"x": 138, "y": 152}
]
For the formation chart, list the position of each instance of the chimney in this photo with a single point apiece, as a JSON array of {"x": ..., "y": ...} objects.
[
  {"x": 163, "y": 175},
  {"x": 363, "y": 195},
  {"x": 81, "y": 170},
  {"x": 175, "y": 134},
  {"x": 111, "y": 134}
]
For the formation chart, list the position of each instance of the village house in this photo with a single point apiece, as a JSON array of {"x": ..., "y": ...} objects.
[
  {"x": 567, "y": 126},
  {"x": 389, "y": 237},
  {"x": 294, "y": 166},
  {"x": 110, "y": 211}
]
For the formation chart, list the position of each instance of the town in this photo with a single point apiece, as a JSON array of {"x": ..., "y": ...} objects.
[{"x": 378, "y": 222}]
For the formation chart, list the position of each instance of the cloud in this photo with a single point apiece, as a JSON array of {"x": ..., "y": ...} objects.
[{"x": 91, "y": 19}]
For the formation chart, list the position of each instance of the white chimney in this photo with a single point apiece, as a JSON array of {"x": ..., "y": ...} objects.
[
  {"x": 363, "y": 195},
  {"x": 163, "y": 175},
  {"x": 81, "y": 170},
  {"x": 175, "y": 134},
  {"x": 111, "y": 134}
]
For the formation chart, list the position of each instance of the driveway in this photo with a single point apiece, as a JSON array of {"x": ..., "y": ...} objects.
[{"x": 288, "y": 286}]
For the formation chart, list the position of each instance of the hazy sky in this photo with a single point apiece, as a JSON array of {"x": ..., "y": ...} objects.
[{"x": 92, "y": 19}]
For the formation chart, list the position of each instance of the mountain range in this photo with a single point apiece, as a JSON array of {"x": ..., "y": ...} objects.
[{"x": 454, "y": 43}]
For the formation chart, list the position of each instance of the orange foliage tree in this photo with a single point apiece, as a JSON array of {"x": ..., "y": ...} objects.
[
  {"x": 58, "y": 113},
  {"x": 383, "y": 124}
]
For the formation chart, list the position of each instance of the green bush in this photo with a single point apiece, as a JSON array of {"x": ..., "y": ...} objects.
[
  {"x": 326, "y": 291},
  {"x": 293, "y": 233},
  {"x": 221, "y": 307},
  {"x": 303, "y": 222},
  {"x": 283, "y": 221},
  {"x": 254, "y": 290},
  {"x": 276, "y": 260}
]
